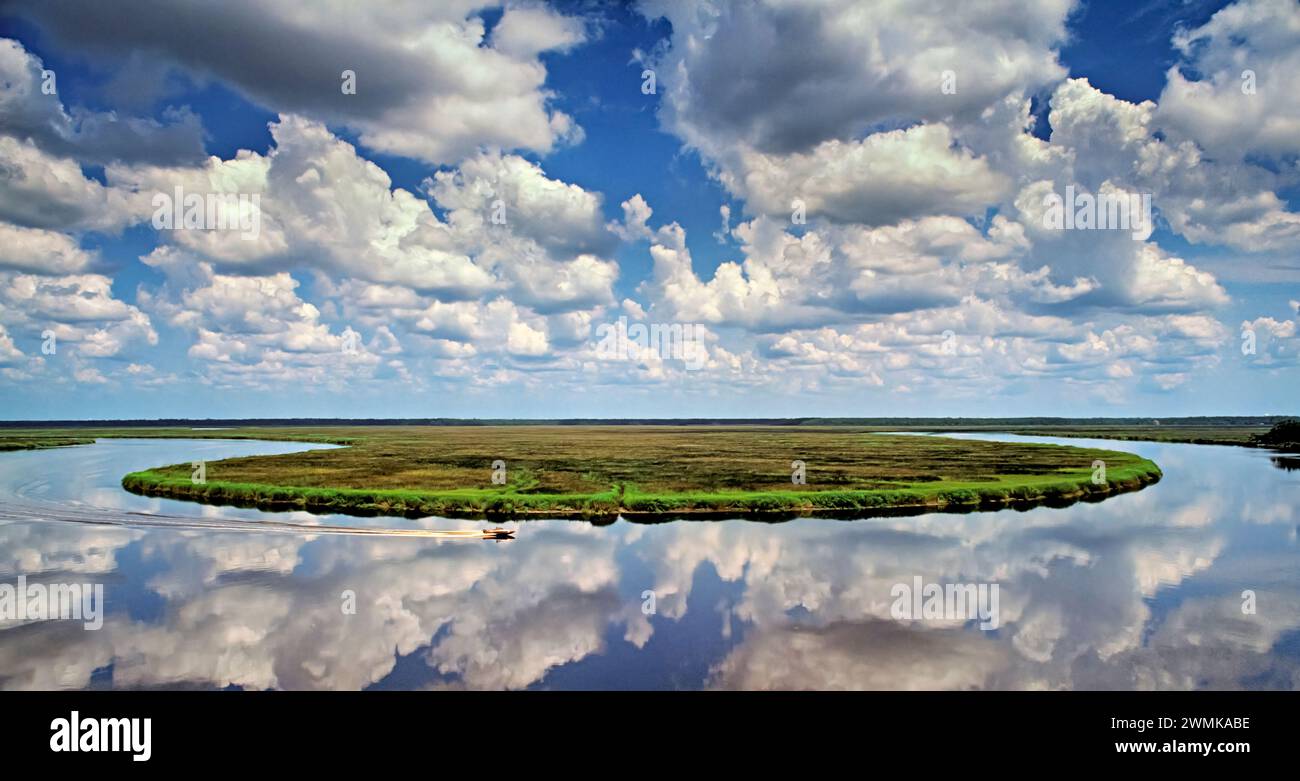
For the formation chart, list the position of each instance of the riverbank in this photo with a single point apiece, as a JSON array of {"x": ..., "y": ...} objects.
[
  {"x": 489, "y": 504},
  {"x": 1237, "y": 431}
]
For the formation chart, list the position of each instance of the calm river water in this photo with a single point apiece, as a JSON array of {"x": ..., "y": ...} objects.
[{"x": 1143, "y": 590}]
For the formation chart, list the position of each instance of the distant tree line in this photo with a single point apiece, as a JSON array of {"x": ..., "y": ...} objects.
[{"x": 1285, "y": 435}]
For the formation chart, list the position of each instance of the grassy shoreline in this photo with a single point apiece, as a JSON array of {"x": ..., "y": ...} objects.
[
  {"x": 1233, "y": 436},
  {"x": 647, "y": 473},
  {"x": 487, "y": 504},
  {"x": 42, "y": 443},
  {"x": 34, "y": 438},
  {"x": 39, "y": 439}
]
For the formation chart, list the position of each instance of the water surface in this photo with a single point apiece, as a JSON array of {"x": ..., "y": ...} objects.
[{"x": 1142, "y": 590}]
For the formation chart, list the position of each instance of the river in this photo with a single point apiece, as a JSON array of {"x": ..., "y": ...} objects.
[{"x": 1193, "y": 582}]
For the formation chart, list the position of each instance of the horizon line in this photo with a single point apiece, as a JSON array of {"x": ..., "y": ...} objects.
[{"x": 1264, "y": 419}]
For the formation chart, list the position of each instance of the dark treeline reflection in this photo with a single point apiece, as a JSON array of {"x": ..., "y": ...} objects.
[{"x": 1289, "y": 463}]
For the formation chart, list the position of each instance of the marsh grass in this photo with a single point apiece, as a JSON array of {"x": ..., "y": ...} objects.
[
  {"x": 640, "y": 470},
  {"x": 1193, "y": 435},
  {"x": 38, "y": 441}
]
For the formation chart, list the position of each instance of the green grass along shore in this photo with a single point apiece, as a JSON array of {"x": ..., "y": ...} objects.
[{"x": 1124, "y": 472}]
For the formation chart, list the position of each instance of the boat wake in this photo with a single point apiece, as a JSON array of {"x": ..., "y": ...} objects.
[{"x": 23, "y": 509}]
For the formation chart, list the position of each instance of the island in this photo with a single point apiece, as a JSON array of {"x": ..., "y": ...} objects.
[{"x": 644, "y": 471}]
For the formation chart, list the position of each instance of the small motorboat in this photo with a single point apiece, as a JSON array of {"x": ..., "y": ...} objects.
[{"x": 499, "y": 534}]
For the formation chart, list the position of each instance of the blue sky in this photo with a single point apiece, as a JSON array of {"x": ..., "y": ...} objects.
[{"x": 919, "y": 277}]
